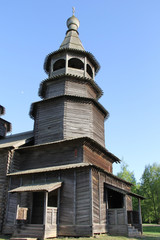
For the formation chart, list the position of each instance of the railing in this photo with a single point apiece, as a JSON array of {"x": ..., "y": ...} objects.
[
  {"x": 117, "y": 216},
  {"x": 51, "y": 215}
]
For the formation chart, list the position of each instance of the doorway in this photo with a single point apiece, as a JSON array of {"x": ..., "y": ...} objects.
[{"x": 38, "y": 208}]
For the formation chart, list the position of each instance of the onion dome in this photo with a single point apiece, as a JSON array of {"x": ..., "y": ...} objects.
[{"x": 72, "y": 36}]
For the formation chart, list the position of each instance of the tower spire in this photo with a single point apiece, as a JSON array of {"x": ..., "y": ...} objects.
[{"x": 72, "y": 37}]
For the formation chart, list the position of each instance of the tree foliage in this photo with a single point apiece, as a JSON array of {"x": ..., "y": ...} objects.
[
  {"x": 128, "y": 176},
  {"x": 149, "y": 187}
]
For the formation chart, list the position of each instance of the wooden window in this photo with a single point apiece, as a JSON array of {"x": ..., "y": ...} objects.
[
  {"x": 76, "y": 63},
  {"x": 59, "y": 64}
]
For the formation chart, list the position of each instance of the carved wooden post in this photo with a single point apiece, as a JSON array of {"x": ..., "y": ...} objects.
[
  {"x": 45, "y": 213},
  {"x": 66, "y": 66},
  {"x": 140, "y": 215},
  {"x": 45, "y": 208},
  {"x": 125, "y": 209}
]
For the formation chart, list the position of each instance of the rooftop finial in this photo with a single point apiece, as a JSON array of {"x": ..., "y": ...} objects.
[
  {"x": 73, "y": 22},
  {"x": 73, "y": 11}
]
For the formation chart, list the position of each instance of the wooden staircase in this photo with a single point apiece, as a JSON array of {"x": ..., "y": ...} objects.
[
  {"x": 133, "y": 232},
  {"x": 27, "y": 231}
]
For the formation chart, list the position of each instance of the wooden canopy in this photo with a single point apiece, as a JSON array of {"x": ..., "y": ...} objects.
[
  {"x": 123, "y": 191},
  {"x": 37, "y": 188}
]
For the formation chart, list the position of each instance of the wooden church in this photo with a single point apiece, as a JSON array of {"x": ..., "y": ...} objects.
[{"x": 57, "y": 180}]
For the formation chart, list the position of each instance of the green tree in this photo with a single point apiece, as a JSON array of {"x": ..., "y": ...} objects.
[
  {"x": 150, "y": 189},
  {"x": 129, "y": 177}
]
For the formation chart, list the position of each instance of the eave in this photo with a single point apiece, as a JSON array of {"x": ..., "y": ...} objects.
[
  {"x": 92, "y": 144},
  {"x": 71, "y": 98},
  {"x": 42, "y": 88}
]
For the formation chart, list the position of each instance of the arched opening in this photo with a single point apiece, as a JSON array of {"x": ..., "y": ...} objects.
[
  {"x": 89, "y": 71},
  {"x": 76, "y": 63},
  {"x": 59, "y": 64}
]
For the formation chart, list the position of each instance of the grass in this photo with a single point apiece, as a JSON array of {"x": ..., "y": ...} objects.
[{"x": 150, "y": 232}]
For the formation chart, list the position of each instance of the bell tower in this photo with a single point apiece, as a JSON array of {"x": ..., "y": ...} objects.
[{"x": 69, "y": 107}]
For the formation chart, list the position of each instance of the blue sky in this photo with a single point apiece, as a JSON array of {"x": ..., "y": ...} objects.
[{"x": 123, "y": 35}]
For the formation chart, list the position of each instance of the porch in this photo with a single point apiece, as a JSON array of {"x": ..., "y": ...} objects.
[
  {"x": 39, "y": 219},
  {"x": 122, "y": 220}
]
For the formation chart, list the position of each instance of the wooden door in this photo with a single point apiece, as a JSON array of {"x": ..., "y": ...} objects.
[{"x": 38, "y": 208}]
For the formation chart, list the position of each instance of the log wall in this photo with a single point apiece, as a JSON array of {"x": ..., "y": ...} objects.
[
  {"x": 47, "y": 156},
  {"x": 3, "y": 184},
  {"x": 74, "y": 216},
  {"x": 12, "y": 201},
  {"x": 98, "y": 126},
  {"x": 55, "y": 88},
  {"x": 83, "y": 119},
  {"x": 75, "y": 208},
  {"x": 99, "y": 203},
  {"x": 5, "y": 161},
  {"x": 81, "y": 89},
  {"x": 91, "y": 156},
  {"x": 117, "y": 221},
  {"x": 64, "y": 119},
  {"x": 77, "y": 122},
  {"x": 49, "y": 121}
]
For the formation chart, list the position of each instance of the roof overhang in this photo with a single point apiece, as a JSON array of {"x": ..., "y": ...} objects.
[
  {"x": 37, "y": 188},
  {"x": 123, "y": 191},
  {"x": 70, "y": 77},
  {"x": 70, "y": 98},
  {"x": 82, "y": 140},
  {"x": 16, "y": 140}
]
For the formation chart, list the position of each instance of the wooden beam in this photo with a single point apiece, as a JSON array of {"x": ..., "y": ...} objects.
[
  {"x": 140, "y": 215},
  {"x": 45, "y": 208}
]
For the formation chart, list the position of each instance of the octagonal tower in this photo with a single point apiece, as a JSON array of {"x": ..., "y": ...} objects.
[{"x": 70, "y": 107}]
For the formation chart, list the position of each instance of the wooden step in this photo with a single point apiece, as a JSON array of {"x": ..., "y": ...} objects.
[
  {"x": 28, "y": 231},
  {"x": 21, "y": 238},
  {"x": 133, "y": 232}
]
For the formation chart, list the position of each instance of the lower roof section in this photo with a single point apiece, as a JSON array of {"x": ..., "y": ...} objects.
[
  {"x": 52, "y": 186},
  {"x": 70, "y": 98},
  {"x": 50, "y": 169},
  {"x": 37, "y": 188},
  {"x": 64, "y": 167},
  {"x": 84, "y": 140},
  {"x": 16, "y": 140}
]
